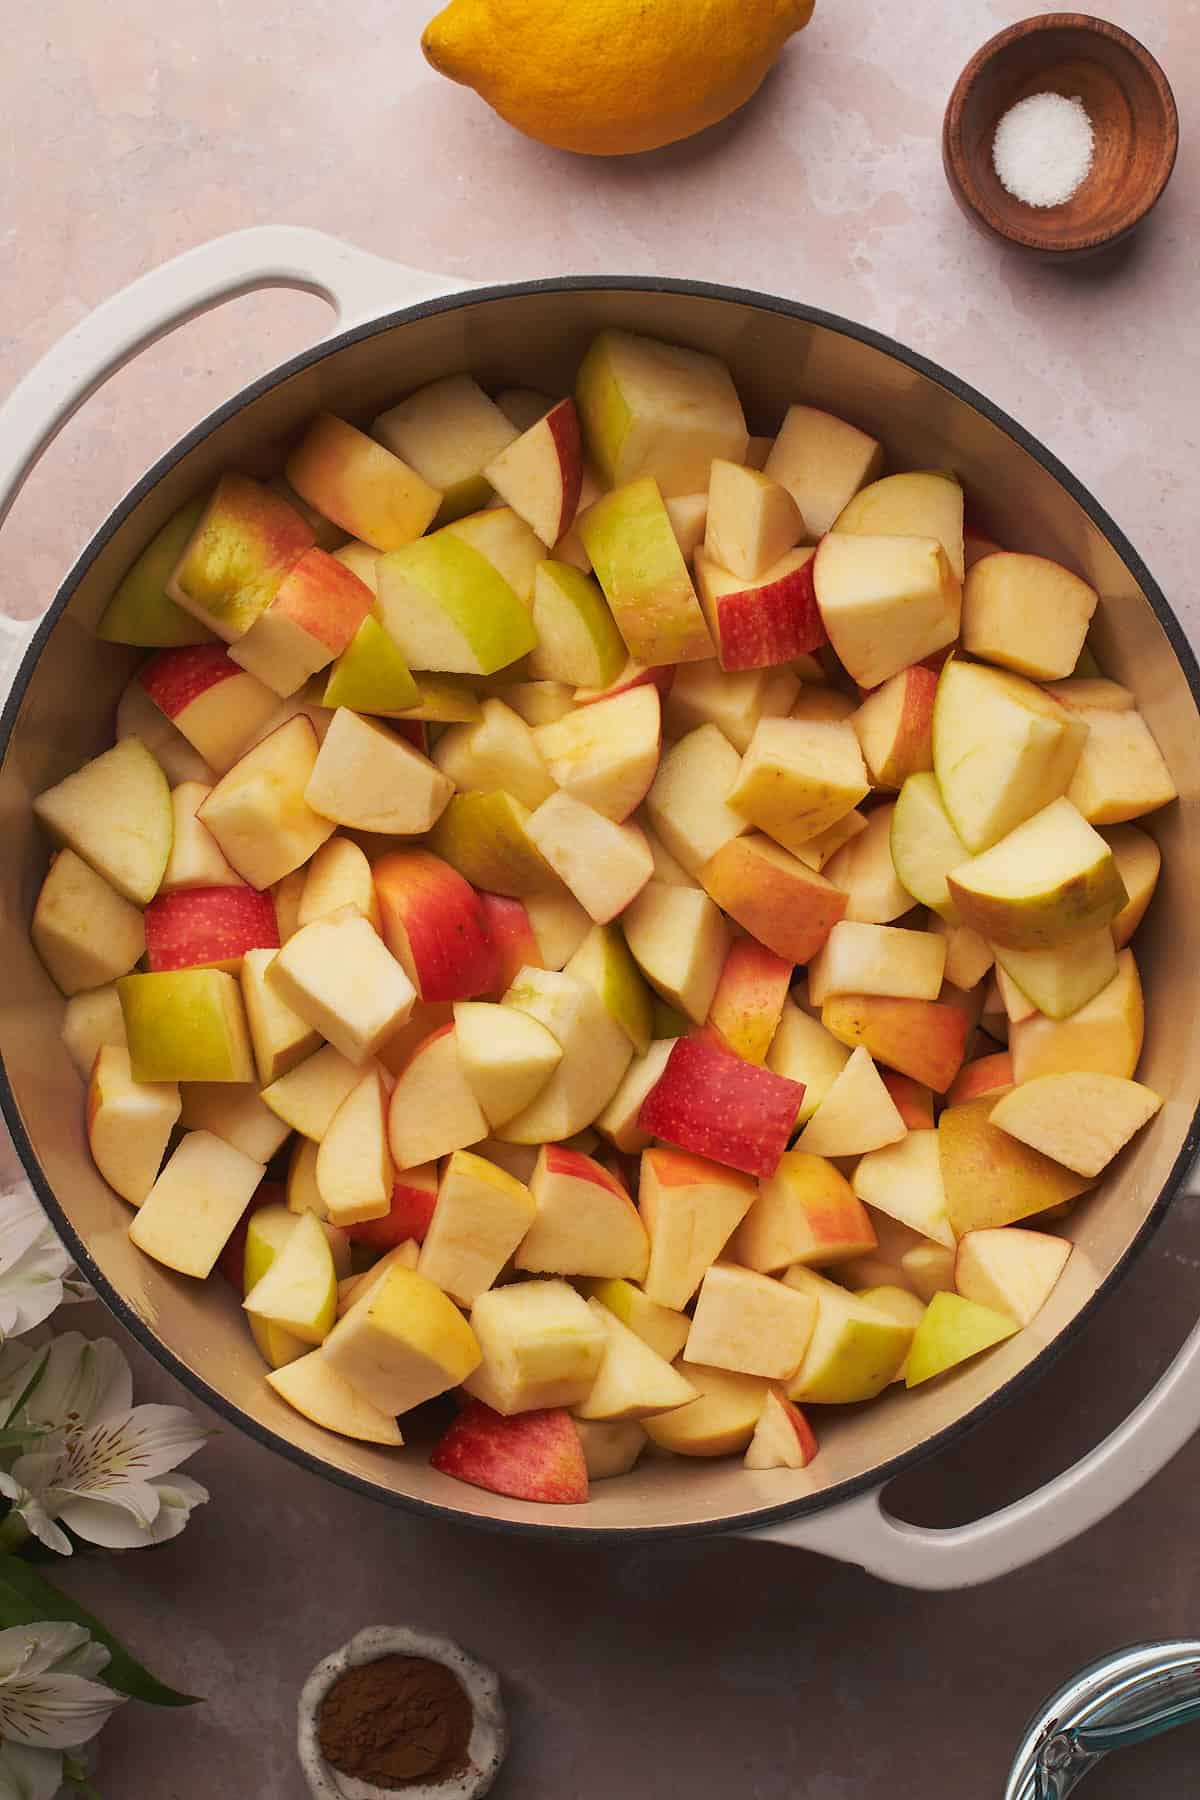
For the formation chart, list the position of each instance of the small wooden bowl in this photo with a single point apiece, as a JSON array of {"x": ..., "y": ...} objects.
[{"x": 1133, "y": 114}]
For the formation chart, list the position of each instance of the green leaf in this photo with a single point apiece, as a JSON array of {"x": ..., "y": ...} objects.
[
  {"x": 30, "y": 1386},
  {"x": 26, "y": 1596},
  {"x": 19, "y": 1437},
  {"x": 75, "y": 1773}
]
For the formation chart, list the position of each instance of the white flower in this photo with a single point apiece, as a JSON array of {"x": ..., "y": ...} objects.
[
  {"x": 104, "y": 1467},
  {"x": 36, "y": 1274},
  {"x": 49, "y": 1703}
]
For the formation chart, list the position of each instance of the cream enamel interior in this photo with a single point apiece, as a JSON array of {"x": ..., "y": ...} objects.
[{"x": 536, "y": 339}]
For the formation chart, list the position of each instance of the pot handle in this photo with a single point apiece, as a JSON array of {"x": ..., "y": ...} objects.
[
  {"x": 355, "y": 283},
  {"x": 862, "y": 1531}
]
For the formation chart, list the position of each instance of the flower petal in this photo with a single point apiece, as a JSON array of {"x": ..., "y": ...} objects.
[
  {"x": 102, "y": 1523},
  {"x": 29, "y": 1774},
  {"x": 138, "y": 1444},
  {"x": 55, "y": 1711},
  {"x": 87, "y": 1381},
  {"x": 86, "y": 1515},
  {"x": 35, "y": 1515},
  {"x": 22, "y": 1224},
  {"x": 32, "y": 1649}
]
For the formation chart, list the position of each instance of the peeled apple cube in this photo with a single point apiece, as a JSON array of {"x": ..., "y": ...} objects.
[
  {"x": 886, "y": 602},
  {"x": 1027, "y": 614},
  {"x": 402, "y": 1343},
  {"x": 541, "y": 1346},
  {"x": 1081, "y": 1120},
  {"x": 115, "y": 813}
]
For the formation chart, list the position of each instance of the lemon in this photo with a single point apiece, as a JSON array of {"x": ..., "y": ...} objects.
[{"x": 609, "y": 77}]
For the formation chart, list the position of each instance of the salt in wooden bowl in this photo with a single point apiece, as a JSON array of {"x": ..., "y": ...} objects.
[{"x": 1133, "y": 115}]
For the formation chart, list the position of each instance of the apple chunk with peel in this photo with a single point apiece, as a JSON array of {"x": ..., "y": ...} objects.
[
  {"x": 822, "y": 461},
  {"x": 513, "y": 941},
  {"x": 914, "y": 1102},
  {"x": 338, "y": 875},
  {"x": 297, "y": 1293},
  {"x": 604, "y": 864},
  {"x": 242, "y": 546},
  {"x": 481, "y": 1216},
  {"x": 90, "y": 1021},
  {"x": 140, "y": 612},
  {"x": 281, "y": 1038},
  {"x": 691, "y": 1207},
  {"x": 923, "y": 503},
  {"x": 799, "y": 777},
  {"x": 805, "y": 1052},
  {"x": 1012, "y": 1271},
  {"x": 886, "y": 602},
  {"x": 578, "y": 641},
  {"x": 129, "y": 1123},
  {"x": 953, "y": 1330},
  {"x": 317, "y": 1392},
  {"x": 679, "y": 941},
  {"x": 498, "y": 751},
  {"x": 336, "y": 974},
  {"x": 749, "y": 999},
  {"x": 258, "y": 812},
  {"x": 186, "y": 1025},
  {"x": 925, "y": 846},
  {"x": 1105, "y": 1035},
  {"x": 115, "y": 813},
  {"x": 604, "y": 962},
  {"x": 361, "y": 486},
  {"x": 586, "y": 1224},
  {"x": 596, "y": 1053},
  {"x": 401, "y": 1343},
  {"x": 806, "y": 1213},
  {"x": 688, "y": 805},
  {"x": 414, "y": 1196},
  {"x": 1138, "y": 859},
  {"x": 1121, "y": 773},
  {"x": 485, "y": 837},
  {"x": 1002, "y": 750},
  {"x": 783, "y": 1437},
  {"x": 190, "y": 1213},
  {"x": 664, "y": 1329},
  {"x": 765, "y": 621},
  {"x": 856, "y": 1115},
  {"x": 720, "y": 1422},
  {"x": 354, "y": 1172},
  {"x": 928, "y": 1269},
  {"x": 447, "y": 431},
  {"x": 605, "y": 755},
  {"x": 752, "y": 521},
  {"x": 634, "y": 1381},
  {"x": 537, "y": 1456},
  {"x": 1026, "y": 614},
  {"x": 84, "y": 931},
  {"x": 314, "y": 616},
  {"x": 1081, "y": 1120},
  {"x": 894, "y": 726},
  {"x": 541, "y": 474},
  {"x": 713, "y": 1104},
  {"x": 308, "y": 1096},
  {"x": 433, "y": 924},
  {"x": 1059, "y": 981},
  {"x": 619, "y": 1120},
  {"x": 1050, "y": 881},
  {"x": 448, "y": 607},
  {"x": 138, "y": 716},
  {"x": 969, "y": 957},
  {"x": 986, "y": 1075},
  {"x": 541, "y": 1346},
  {"x": 507, "y": 543},
  {"x": 788, "y": 907},
  {"x": 433, "y": 1111},
  {"x": 877, "y": 959},
  {"x": 636, "y": 556},
  {"x": 195, "y": 860},
  {"x": 218, "y": 708},
  {"x": 209, "y": 928},
  {"x": 855, "y": 1349},
  {"x": 924, "y": 1039},
  {"x": 368, "y": 778},
  {"x": 748, "y": 1322},
  {"x": 506, "y": 1056},
  {"x": 371, "y": 675},
  {"x": 904, "y": 1180},
  {"x": 649, "y": 408},
  {"x": 990, "y": 1177}
]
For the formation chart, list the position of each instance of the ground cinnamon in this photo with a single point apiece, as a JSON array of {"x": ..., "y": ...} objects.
[{"x": 397, "y": 1721}]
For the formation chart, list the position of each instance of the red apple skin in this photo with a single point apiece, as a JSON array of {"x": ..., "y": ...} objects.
[
  {"x": 532, "y": 1456},
  {"x": 514, "y": 945},
  {"x": 434, "y": 924},
  {"x": 413, "y": 1202},
  {"x": 562, "y": 422},
  {"x": 748, "y": 1003},
  {"x": 232, "y": 1260},
  {"x": 983, "y": 1076},
  {"x": 198, "y": 926},
  {"x": 913, "y": 1102},
  {"x": 174, "y": 678},
  {"x": 324, "y": 598},
  {"x": 414, "y": 731},
  {"x": 560, "y": 1159},
  {"x": 925, "y": 1039},
  {"x": 768, "y": 625},
  {"x": 804, "y": 1432},
  {"x": 715, "y": 1105}
]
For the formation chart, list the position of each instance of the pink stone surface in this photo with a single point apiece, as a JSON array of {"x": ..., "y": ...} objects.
[{"x": 135, "y": 129}]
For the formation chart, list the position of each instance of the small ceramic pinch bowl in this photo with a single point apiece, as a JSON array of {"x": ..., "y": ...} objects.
[
  {"x": 489, "y": 1736},
  {"x": 1134, "y": 119}
]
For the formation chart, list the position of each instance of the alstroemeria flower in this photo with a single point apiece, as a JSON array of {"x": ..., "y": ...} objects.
[
  {"x": 36, "y": 1274},
  {"x": 49, "y": 1703},
  {"x": 104, "y": 1467}
]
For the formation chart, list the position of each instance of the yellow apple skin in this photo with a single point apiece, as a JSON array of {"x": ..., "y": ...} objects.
[
  {"x": 402, "y": 1343},
  {"x": 1050, "y": 881},
  {"x": 991, "y": 1178},
  {"x": 186, "y": 1025},
  {"x": 953, "y": 1330},
  {"x": 855, "y": 1349},
  {"x": 808, "y": 1213},
  {"x": 636, "y": 556},
  {"x": 662, "y": 1328}
]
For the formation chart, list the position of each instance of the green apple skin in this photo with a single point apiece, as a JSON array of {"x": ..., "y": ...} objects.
[
  {"x": 186, "y": 1025},
  {"x": 371, "y": 675},
  {"x": 604, "y": 961},
  {"x": 448, "y": 608},
  {"x": 648, "y": 408},
  {"x": 483, "y": 836},
  {"x": 266, "y": 1235},
  {"x": 578, "y": 640},
  {"x": 139, "y": 611},
  {"x": 638, "y": 562},
  {"x": 952, "y": 1330}
]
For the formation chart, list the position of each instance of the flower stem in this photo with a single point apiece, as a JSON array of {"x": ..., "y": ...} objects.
[{"x": 13, "y": 1532}]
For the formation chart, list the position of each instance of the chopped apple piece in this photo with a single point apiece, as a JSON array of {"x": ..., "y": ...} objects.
[
  {"x": 84, "y": 931},
  {"x": 370, "y": 675},
  {"x": 747, "y": 1322},
  {"x": 799, "y": 778},
  {"x": 367, "y": 777},
  {"x": 500, "y": 752},
  {"x": 606, "y": 755},
  {"x": 1138, "y": 859},
  {"x": 541, "y": 1346},
  {"x": 877, "y": 959},
  {"x": 914, "y": 1102},
  {"x": 208, "y": 928},
  {"x": 663, "y": 1329},
  {"x": 586, "y": 1224},
  {"x": 1002, "y": 750},
  {"x": 928, "y": 1269},
  {"x": 865, "y": 872},
  {"x": 657, "y": 409},
  {"x": 259, "y": 813},
  {"x": 894, "y": 726},
  {"x": 140, "y": 612},
  {"x": 986, "y": 1075},
  {"x": 610, "y": 1448},
  {"x": 856, "y": 1115},
  {"x": 338, "y": 875},
  {"x": 448, "y": 431},
  {"x": 596, "y": 1053},
  {"x": 604, "y": 962},
  {"x": 952, "y": 1331},
  {"x": 703, "y": 693},
  {"x": 449, "y": 608},
  {"x": 1010, "y": 1270},
  {"x": 721, "y": 1422},
  {"x": 364, "y": 488},
  {"x": 281, "y": 1038},
  {"x": 312, "y": 618},
  {"x": 749, "y": 998},
  {"x": 1081, "y": 1120},
  {"x": 822, "y": 462},
  {"x": 855, "y": 1348},
  {"x": 904, "y": 1180},
  {"x": 537, "y": 1456},
  {"x": 297, "y": 1293},
  {"x": 992, "y": 1178},
  {"x": 195, "y": 860},
  {"x": 788, "y": 907},
  {"x": 925, "y": 1039},
  {"x": 129, "y": 1123},
  {"x": 1105, "y": 1035},
  {"x": 336, "y": 974},
  {"x": 1121, "y": 773},
  {"x": 115, "y": 814},
  {"x": 138, "y": 716},
  {"x": 578, "y": 641},
  {"x": 401, "y": 1343},
  {"x": 433, "y": 924},
  {"x": 242, "y": 546},
  {"x": 619, "y": 1120},
  {"x": 680, "y": 942},
  {"x": 691, "y": 1207},
  {"x": 886, "y": 602},
  {"x": 433, "y": 1110},
  {"x": 634, "y": 1381},
  {"x": 317, "y": 1392},
  {"x": 1049, "y": 882},
  {"x": 636, "y": 556},
  {"x": 307, "y": 1097},
  {"x": 969, "y": 957},
  {"x": 763, "y": 622},
  {"x": 192, "y": 1209},
  {"x": 506, "y": 1056},
  {"x": 806, "y": 1053},
  {"x": 604, "y": 864},
  {"x": 540, "y": 474},
  {"x": 485, "y": 837},
  {"x": 90, "y": 1021},
  {"x": 688, "y": 803},
  {"x": 481, "y": 1216},
  {"x": 406, "y": 1223},
  {"x": 752, "y": 521},
  {"x": 920, "y": 504},
  {"x": 713, "y": 1104},
  {"x": 806, "y": 1213},
  {"x": 1027, "y": 614},
  {"x": 354, "y": 1172},
  {"x": 235, "y": 1113},
  {"x": 185, "y": 1025},
  {"x": 1059, "y": 981},
  {"x": 783, "y": 1437},
  {"x": 559, "y": 925},
  {"x": 925, "y": 846}
]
